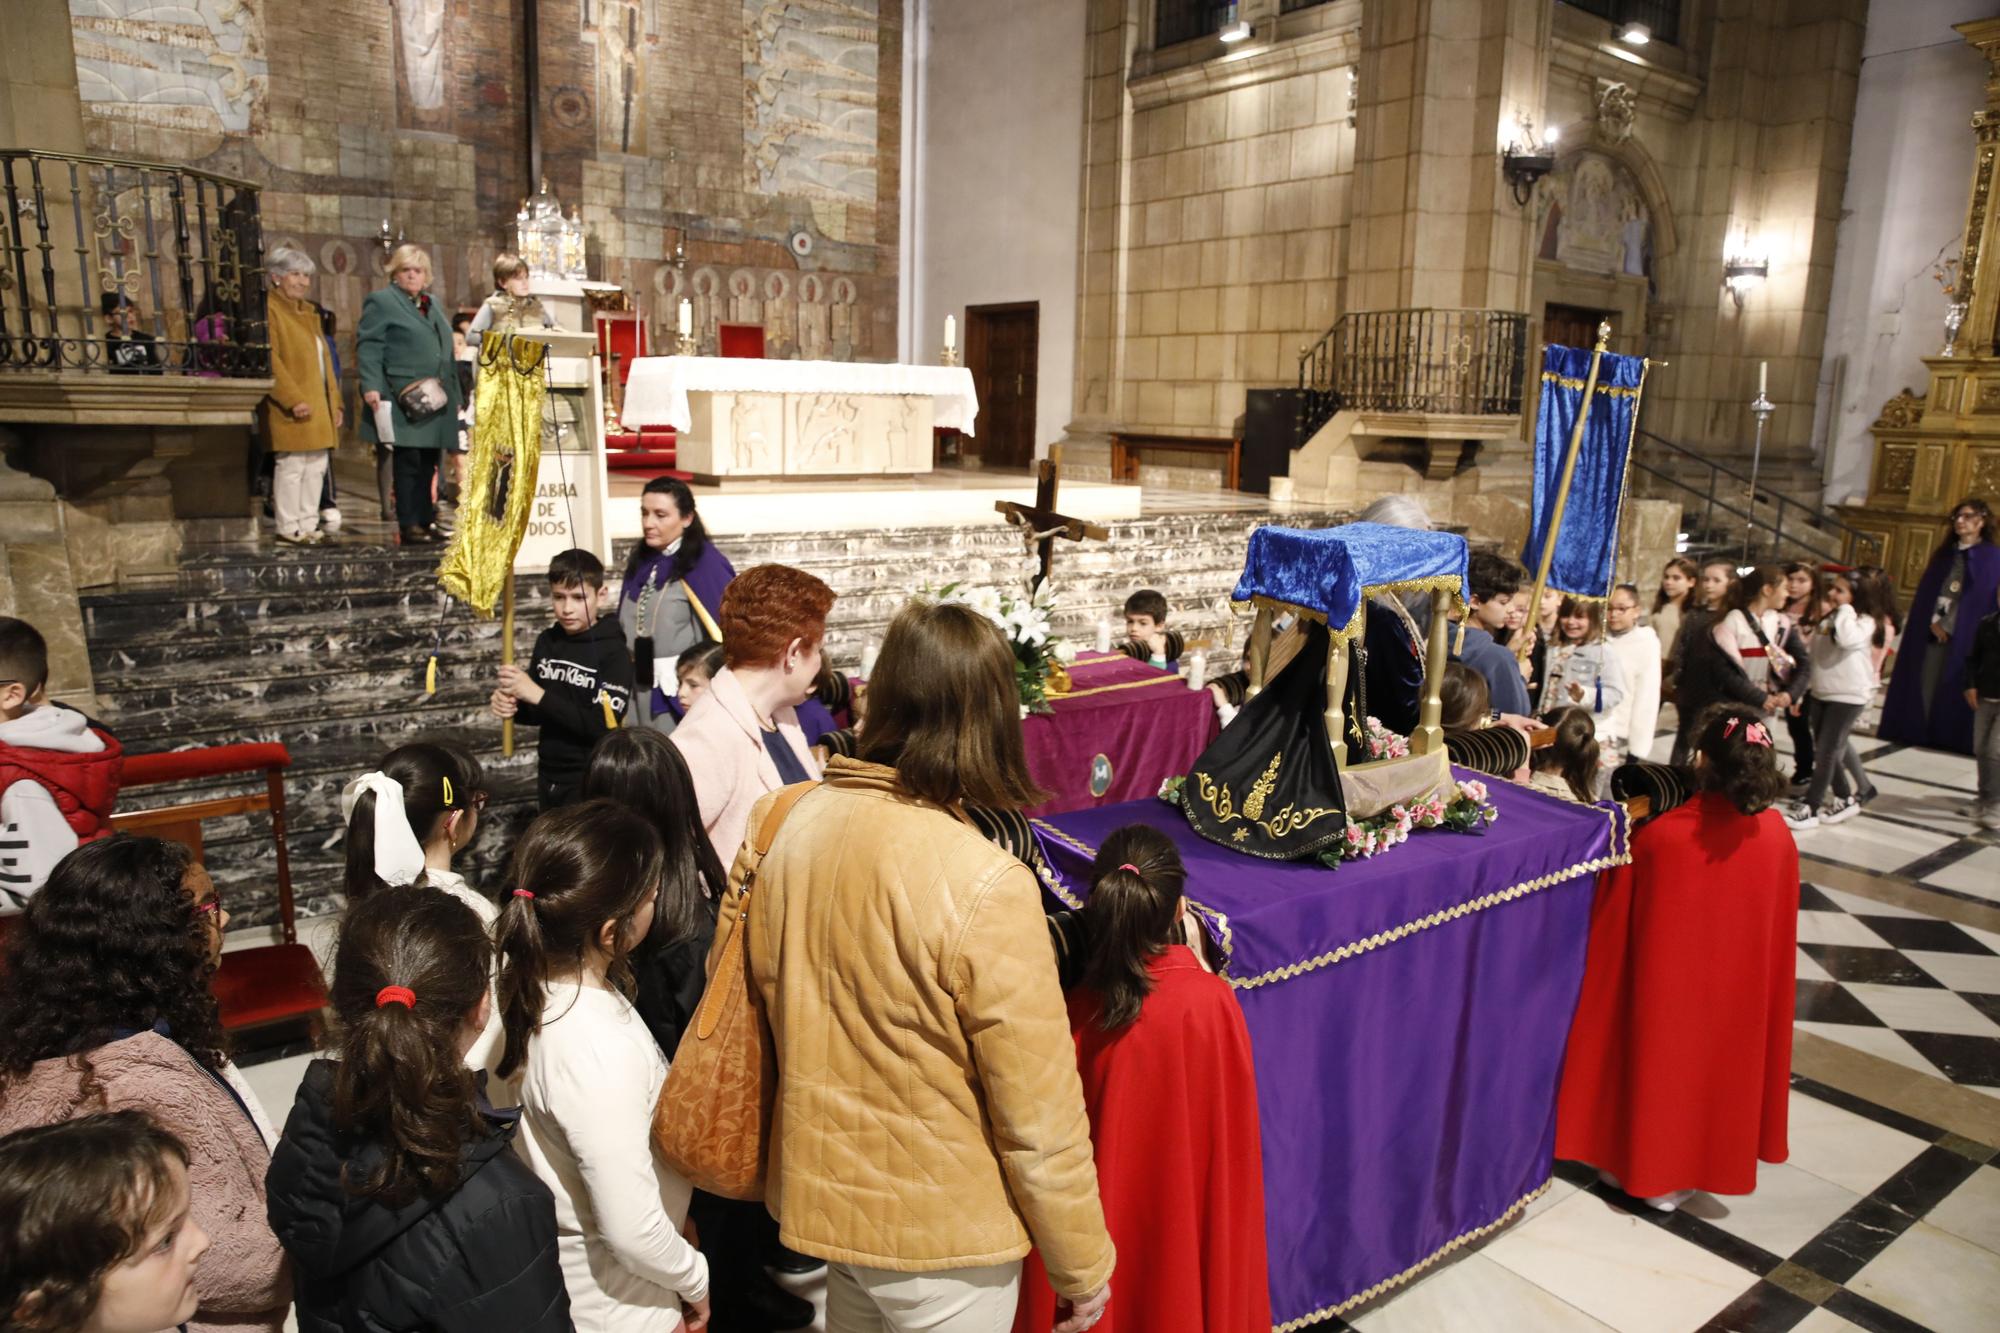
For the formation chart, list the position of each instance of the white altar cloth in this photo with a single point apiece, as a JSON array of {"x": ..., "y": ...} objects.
[{"x": 657, "y": 392}]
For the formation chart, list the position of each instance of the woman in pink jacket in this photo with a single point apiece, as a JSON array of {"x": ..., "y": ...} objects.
[
  {"x": 742, "y": 737},
  {"x": 105, "y": 1006}
]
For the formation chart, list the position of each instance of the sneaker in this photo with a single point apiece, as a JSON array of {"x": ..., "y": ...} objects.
[
  {"x": 1799, "y": 816},
  {"x": 1668, "y": 1203},
  {"x": 295, "y": 538},
  {"x": 1838, "y": 809}
]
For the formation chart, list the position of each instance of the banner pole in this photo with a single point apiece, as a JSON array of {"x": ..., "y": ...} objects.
[
  {"x": 1562, "y": 495},
  {"x": 507, "y": 654}
]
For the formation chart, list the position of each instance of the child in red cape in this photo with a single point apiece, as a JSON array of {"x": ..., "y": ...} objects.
[
  {"x": 1677, "y": 1073},
  {"x": 1165, "y": 1058}
]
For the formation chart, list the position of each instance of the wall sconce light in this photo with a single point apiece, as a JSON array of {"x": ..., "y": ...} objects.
[
  {"x": 1635, "y": 34},
  {"x": 387, "y": 241},
  {"x": 1235, "y": 29},
  {"x": 1526, "y": 160},
  {"x": 1741, "y": 272}
]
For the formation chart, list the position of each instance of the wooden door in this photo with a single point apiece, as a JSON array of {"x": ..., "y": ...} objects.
[
  {"x": 1002, "y": 350},
  {"x": 1573, "y": 325}
]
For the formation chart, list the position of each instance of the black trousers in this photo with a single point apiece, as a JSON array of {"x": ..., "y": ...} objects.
[{"x": 416, "y": 470}]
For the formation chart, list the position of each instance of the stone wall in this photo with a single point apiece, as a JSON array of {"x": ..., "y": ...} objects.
[{"x": 761, "y": 135}]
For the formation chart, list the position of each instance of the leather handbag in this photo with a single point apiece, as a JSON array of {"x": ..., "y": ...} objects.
[
  {"x": 422, "y": 399},
  {"x": 713, "y": 1119}
]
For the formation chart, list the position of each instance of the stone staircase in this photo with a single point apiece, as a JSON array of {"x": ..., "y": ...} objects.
[{"x": 324, "y": 651}]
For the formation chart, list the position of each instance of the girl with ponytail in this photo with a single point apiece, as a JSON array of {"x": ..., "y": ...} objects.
[
  {"x": 1172, "y": 1097},
  {"x": 1677, "y": 1074},
  {"x": 582, "y": 895},
  {"x": 406, "y": 820},
  {"x": 395, "y": 1189}
]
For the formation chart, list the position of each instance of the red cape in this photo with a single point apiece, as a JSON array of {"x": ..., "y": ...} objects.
[
  {"x": 1679, "y": 1060},
  {"x": 1173, "y": 1119}
]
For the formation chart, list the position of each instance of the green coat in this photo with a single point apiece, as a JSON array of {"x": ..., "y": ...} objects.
[{"x": 397, "y": 345}]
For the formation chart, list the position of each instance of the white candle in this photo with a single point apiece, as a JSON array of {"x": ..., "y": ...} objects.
[
  {"x": 687, "y": 318},
  {"x": 1763, "y": 377},
  {"x": 1197, "y": 671},
  {"x": 1103, "y": 636},
  {"x": 869, "y": 652},
  {"x": 950, "y": 332}
]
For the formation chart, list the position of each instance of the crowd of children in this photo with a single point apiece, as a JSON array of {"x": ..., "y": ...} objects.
[{"x": 463, "y": 1158}]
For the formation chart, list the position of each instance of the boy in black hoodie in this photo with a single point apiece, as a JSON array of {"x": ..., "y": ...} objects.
[{"x": 577, "y": 686}]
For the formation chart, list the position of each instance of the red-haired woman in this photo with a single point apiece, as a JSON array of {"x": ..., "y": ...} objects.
[{"x": 742, "y": 738}]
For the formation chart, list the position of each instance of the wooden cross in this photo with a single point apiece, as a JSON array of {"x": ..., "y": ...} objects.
[{"x": 1041, "y": 524}]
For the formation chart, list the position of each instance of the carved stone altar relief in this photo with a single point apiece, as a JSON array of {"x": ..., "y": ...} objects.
[
  {"x": 826, "y": 434},
  {"x": 173, "y": 64},
  {"x": 1617, "y": 109},
  {"x": 757, "y": 432},
  {"x": 1594, "y": 219}
]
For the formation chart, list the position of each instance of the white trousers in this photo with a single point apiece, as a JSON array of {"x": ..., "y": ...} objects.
[
  {"x": 296, "y": 478},
  {"x": 957, "y": 1300}
]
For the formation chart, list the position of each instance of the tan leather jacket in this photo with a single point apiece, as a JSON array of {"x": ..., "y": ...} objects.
[{"x": 929, "y": 1112}]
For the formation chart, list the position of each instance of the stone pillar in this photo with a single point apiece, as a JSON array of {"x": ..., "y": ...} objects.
[
  {"x": 36, "y": 584},
  {"x": 39, "y": 105},
  {"x": 1441, "y": 85},
  {"x": 1112, "y": 37},
  {"x": 1981, "y": 333}
]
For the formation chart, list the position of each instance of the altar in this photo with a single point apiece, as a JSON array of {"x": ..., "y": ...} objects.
[
  {"x": 746, "y": 417},
  {"x": 1407, "y": 1016},
  {"x": 1122, "y": 728}
]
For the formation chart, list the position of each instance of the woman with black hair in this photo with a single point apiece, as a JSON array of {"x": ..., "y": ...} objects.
[
  {"x": 104, "y": 1006},
  {"x": 641, "y": 769},
  {"x": 1679, "y": 1063},
  {"x": 1926, "y": 700},
  {"x": 671, "y": 599},
  {"x": 395, "y": 1189}
]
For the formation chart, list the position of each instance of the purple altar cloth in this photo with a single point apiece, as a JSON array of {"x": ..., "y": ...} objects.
[
  {"x": 1407, "y": 1017},
  {"x": 1145, "y": 723}
]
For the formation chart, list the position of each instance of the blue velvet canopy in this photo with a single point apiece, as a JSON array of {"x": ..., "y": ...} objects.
[{"x": 1329, "y": 573}]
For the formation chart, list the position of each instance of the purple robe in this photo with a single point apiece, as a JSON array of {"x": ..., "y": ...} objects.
[
  {"x": 1948, "y": 725},
  {"x": 705, "y": 583}
]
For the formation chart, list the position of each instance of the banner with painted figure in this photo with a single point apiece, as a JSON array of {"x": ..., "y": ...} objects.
[
  {"x": 1586, "y": 547},
  {"x": 501, "y": 471}
]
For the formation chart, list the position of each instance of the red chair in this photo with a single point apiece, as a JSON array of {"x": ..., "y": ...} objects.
[
  {"x": 740, "y": 340},
  {"x": 256, "y": 986},
  {"x": 622, "y": 338}
]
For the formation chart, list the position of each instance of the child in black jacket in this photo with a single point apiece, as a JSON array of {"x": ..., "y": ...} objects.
[
  {"x": 578, "y": 684},
  {"x": 396, "y": 1190}
]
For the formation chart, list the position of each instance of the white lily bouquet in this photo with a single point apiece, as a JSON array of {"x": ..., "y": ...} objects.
[{"x": 1023, "y": 617}]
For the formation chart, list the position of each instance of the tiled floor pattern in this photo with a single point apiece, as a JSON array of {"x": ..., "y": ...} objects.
[{"x": 1877, "y": 1222}]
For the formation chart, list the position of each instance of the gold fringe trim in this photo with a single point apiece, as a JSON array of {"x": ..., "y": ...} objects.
[
  {"x": 1355, "y": 623},
  {"x": 1388, "y": 1283},
  {"x": 1550, "y": 377}
]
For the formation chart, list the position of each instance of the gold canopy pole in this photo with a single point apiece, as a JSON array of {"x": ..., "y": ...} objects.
[
  {"x": 1562, "y": 495},
  {"x": 507, "y": 655}
]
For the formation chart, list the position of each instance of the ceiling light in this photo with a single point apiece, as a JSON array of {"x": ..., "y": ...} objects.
[
  {"x": 1237, "y": 31},
  {"x": 1635, "y": 34}
]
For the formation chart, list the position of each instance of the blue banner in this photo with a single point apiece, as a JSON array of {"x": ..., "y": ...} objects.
[{"x": 1587, "y": 545}]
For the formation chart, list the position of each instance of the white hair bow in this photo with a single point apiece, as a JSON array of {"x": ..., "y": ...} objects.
[{"x": 399, "y": 857}]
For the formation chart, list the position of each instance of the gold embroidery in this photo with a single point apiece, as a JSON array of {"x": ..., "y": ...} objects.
[
  {"x": 1241, "y": 835},
  {"x": 1253, "y": 807},
  {"x": 1550, "y": 377},
  {"x": 1220, "y": 803},
  {"x": 1464, "y": 1238},
  {"x": 1352, "y": 629},
  {"x": 1288, "y": 820}
]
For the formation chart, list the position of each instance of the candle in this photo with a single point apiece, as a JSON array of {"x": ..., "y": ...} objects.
[
  {"x": 950, "y": 332},
  {"x": 1103, "y": 636},
  {"x": 1763, "y": 377},
  {"x": 869, "y": 652},
  {"x": 1197, "y": 672},
  {"x": 687, "y": 318}
]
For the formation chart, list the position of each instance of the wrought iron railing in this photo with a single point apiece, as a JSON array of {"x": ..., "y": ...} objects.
[
  {"x": 1663, "y": 17},
  {"x": 114, "y": 266},
  {"x": 1461, "y": 362},
  {"x": 1760, "y": 519}
]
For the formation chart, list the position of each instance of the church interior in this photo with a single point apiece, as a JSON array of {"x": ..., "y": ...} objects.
[{"x": 1221, "y": 354}]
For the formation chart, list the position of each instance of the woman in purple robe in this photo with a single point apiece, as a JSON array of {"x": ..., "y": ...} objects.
[
  {"x": 1926, "y": 703},
  {"x": 672, "y": 595}
]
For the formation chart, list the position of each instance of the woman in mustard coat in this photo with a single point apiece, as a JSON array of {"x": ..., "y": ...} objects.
[
  {"x": 302, "y": 415},
  {"x": 405, "y": 340}
]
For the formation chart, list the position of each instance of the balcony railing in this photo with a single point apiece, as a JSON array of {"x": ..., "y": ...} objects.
[
  {"x": 1435, "y": 362},
  {"x": 112, "y": 266}
]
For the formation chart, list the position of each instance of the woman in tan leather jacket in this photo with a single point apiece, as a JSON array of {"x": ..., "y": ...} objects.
[{"x": 930, "y": 1124}]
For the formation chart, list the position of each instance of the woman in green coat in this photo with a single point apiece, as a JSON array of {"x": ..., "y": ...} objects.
[{"x": 405, "y": 340}]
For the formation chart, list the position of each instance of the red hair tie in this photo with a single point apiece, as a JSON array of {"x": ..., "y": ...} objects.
[
  {"x": 1129, "y": 866},
  {"x": 402, "y": 995},
  {"x": 524, "y": 893}
]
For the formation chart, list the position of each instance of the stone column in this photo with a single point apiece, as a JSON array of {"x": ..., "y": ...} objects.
[
  {"x": 1441, "y": 85},
  {"x": 36, "y": 584},
  {"x": 1112, "y": 37}
]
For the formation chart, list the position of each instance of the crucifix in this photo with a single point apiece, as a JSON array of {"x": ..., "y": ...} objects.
[{"x": 1041, "y": 524}]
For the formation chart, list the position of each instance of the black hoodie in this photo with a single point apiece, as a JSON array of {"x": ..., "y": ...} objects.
[
  {"x": 483, "y": 1259},
  {"x": 580, "y": 675}
]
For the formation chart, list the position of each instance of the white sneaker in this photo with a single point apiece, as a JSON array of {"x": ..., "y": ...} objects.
[
  {"x": 1798, "y": 816},
  {"x": 1838, "y": 809},
  {"x": 1668, "y": 1203},
  {"x": 1989, "y": 816}
]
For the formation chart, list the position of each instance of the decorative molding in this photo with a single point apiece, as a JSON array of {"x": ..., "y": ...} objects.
[
  {"x": 1903, "y": 411},
  {"x": 1899, "y": 470},
  {"x": 91, "y": 398},
  {"x": 1280, "y": 60},
  {"x": 1617, "y": 108},
  {"x": 1656, "y": 91}
]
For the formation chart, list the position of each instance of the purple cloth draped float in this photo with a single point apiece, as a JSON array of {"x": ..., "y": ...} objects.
[
  {"x": 1948, "y": 723},
  {"x": 1407, "y": 1017},
  {"x": 1144, "y": 723}
]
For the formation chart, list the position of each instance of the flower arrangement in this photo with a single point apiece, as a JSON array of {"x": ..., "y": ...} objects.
[
  {"x": 1466, "y": 811},
  {"x": 1384, "y": 743},
  {"x": 1023, "y": 617}
]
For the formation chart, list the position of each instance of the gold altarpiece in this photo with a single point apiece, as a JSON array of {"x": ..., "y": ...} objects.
[{"x": 1934, "y": 449}]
